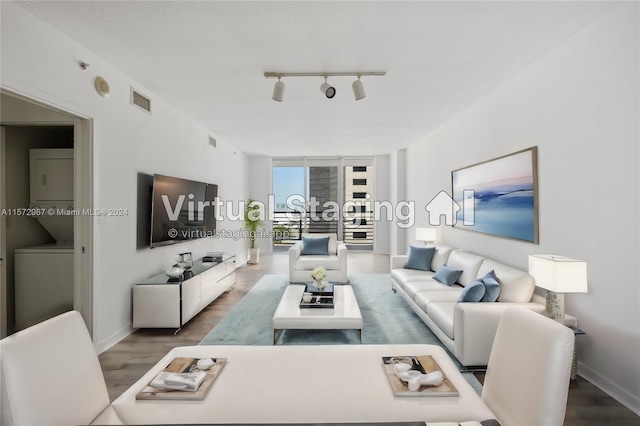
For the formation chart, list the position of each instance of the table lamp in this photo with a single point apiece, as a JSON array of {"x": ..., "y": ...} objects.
[
  {"x": 558, "y": 275},
  {"x": 428, "y": 235}
]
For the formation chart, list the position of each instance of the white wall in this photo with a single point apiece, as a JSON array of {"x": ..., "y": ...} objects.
[
  {"x": 579, "y": 105},
  {"x": 41, "y": 63}
]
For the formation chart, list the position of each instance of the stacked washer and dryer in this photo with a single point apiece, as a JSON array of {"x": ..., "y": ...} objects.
[{"x": 44, "y": 274}]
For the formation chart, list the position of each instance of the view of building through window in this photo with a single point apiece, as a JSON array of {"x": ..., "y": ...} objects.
[{"x": 350, "y": 187}]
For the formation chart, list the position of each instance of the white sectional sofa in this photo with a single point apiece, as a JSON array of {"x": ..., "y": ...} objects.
[{"x": 466, "y": 329}]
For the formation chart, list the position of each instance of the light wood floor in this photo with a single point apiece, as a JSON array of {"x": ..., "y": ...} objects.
[{"x": 124, "y": 363}]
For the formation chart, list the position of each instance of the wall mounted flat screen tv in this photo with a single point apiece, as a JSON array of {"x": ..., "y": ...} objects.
[{"x": 181, "y": 210}]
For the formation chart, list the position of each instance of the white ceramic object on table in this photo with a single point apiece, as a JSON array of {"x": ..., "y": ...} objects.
[
  {"x": 174, "y": 271},
  {"x": 413, "y": 379},
  {"x": 401, "y": 368},
  {"x": 205, "y": 363}
]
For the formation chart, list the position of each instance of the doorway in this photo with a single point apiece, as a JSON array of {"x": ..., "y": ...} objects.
[{"x": 29, "y": 126}]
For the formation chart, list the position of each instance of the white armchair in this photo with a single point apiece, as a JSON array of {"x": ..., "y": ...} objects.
[{"x": 300, "y": 266}]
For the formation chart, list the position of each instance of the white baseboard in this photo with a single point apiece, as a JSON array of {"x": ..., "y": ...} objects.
[
  {"x": 632, "y": 402},
  {"x": 113, "y": 339}
]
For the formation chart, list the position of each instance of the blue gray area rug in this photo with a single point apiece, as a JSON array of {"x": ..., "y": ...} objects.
[{"x": 387, "y": 319}]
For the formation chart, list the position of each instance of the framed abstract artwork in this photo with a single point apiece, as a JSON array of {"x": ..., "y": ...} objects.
[{"x": 499, "y": 196}]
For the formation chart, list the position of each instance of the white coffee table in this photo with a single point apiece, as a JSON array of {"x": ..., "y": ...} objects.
[{"x": 344, "y": 316}]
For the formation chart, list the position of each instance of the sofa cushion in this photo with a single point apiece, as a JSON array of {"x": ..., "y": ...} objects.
[
  {"x": 447, "y": 275},
  {"x": 469, "y": 263},
  {"x": 440, "y": 257},
  {"x": 420, "y": 258},
  {"x": 516, "y": 285},
  {"x": 315, "y": 246},
  {"x": 402, "y": 276},
  {"x": 441, "y": 313},
  {"x": 309, "y": 262},
  {"x": 414, "y": 287},
  {"x": 473, "y": 292},
  {"x": 424, "y": 298}
]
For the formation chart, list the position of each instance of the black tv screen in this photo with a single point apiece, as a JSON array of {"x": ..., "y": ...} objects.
[{"x": 181, "y": 210}]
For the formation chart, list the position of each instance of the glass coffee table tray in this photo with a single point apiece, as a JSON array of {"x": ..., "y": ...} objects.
[{"x": 317, "y": 301}]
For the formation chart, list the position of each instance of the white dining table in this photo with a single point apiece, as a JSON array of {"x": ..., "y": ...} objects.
[{"x": 303, "y": 384}]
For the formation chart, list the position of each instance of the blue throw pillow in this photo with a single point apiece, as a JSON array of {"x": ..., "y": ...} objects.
[
  {"x": 491, "y": 289},
  {"x": 315, "y": 246},
  {"x": 447, "y": 275},
  {"x": 490, "y": 274},
  {"x": 420, "y": 258},
  {"x": 473, "y": 292},
  {"x": 492, "y": 286}
]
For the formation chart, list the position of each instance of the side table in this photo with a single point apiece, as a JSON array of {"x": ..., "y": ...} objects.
[{"x": 574, "y": 361}]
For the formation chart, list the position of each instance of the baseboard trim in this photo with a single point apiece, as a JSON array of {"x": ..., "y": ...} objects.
[
  {"x": 632, "y": 402},
  {"x": 113, "y": 339}
]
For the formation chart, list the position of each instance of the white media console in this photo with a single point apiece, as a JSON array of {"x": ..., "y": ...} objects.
[{"x": 163, "y": 302}]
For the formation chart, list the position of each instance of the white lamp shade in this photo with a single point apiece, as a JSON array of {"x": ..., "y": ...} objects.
[
  {"x": 358, "y": 90},
  {"x": 425, "y": 234},
  {"x": 558, "y": 274},
  {"x": 278, "y": 91}
]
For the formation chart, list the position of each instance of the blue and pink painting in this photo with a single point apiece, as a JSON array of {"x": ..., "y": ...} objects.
[{"x": 498, "y": 197}]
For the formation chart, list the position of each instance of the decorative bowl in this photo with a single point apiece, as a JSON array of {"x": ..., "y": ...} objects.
[
  {"x": 205, "y": 364},
  {"x": 174, "y": 271}
]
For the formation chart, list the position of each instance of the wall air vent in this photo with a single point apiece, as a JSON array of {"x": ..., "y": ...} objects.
[
  {"x": 140, "y": 101},
  {"x": 212, "y": 142}
]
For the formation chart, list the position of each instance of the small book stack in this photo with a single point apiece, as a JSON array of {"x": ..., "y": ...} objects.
[
  {"x": 182, "y": 380},
  {"x": 189, "y": 382}
]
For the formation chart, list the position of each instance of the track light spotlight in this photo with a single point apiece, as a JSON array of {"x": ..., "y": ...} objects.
[
  {"x": 278, "y": 91},
  {"x": 328, "y": 90},
  {"x": 358, "y": 89}
]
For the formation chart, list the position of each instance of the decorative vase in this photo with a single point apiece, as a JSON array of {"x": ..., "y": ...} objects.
[{"x": 254, "y": 256}]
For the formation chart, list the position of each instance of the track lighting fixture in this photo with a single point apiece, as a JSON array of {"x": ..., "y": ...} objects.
[
  {"x": 328, "y": 90},
  {"x": 278, "y": 91},
  {"x": 358, "y": 89}
]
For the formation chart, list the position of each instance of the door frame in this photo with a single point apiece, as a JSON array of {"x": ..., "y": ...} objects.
[
  {"x": 83, "y": 201},
  {"x": 3, "y": 241}
]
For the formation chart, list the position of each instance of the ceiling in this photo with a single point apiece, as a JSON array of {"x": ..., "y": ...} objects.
[{"x": 208, "y": 58}]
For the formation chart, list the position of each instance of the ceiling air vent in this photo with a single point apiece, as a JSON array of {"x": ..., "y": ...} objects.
[
  {"x": 212, "y": 142},
  {"x": 140, "y": 100}
]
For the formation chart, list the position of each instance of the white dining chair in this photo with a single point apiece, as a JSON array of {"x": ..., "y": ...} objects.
[
  {"x": 50, "y": 375},
  {"x": 527, "y": 379}
]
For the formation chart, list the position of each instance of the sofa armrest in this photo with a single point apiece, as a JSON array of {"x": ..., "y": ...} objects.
[
  {"x": 474, "y": 328},
  {"x": 294, "y": 252},
  {"x": 342, "y": 255},
  {"x": 398, "y": 261}
]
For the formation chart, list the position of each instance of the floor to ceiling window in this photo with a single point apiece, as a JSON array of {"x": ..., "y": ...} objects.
[{"x": 323, "y": 196}]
